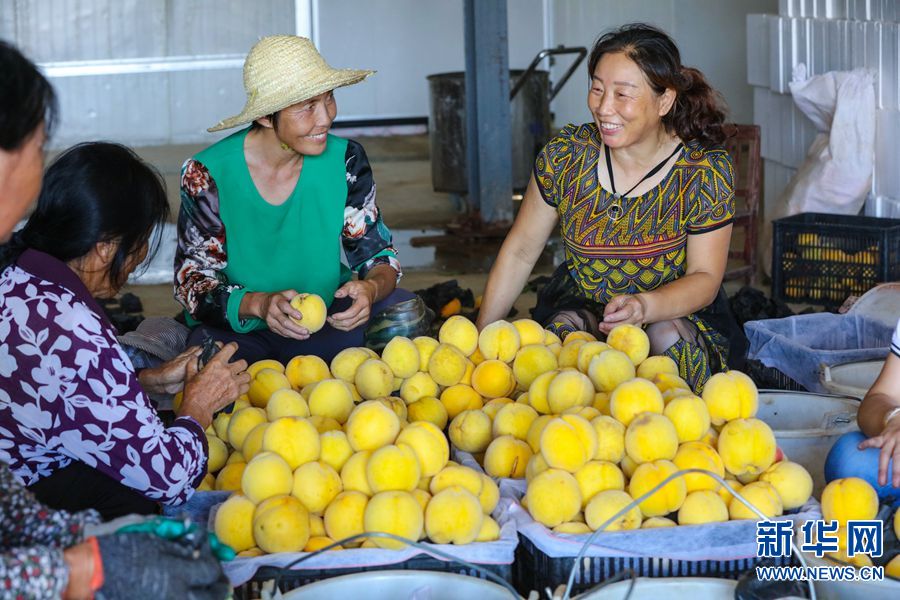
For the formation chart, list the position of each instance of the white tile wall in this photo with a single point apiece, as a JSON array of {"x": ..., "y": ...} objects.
[
  {"x": 777, "y": 76},
  {"x": 887, "y": 151},
  {"x": 757, "y": 50}
]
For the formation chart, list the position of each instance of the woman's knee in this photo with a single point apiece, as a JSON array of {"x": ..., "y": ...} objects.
[{"x": 663, "y": 335}]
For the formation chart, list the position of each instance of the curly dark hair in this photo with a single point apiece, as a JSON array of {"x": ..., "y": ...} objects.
[{"x": 698, "y": 114}]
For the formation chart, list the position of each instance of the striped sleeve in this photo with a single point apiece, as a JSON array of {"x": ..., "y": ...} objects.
[{"x": 895, "y": 341}]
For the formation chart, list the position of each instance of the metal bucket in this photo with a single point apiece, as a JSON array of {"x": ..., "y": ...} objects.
[
  {"x": 390, "y": 585},
  {"x": 530, "y": 98},
  {"x": 807, "y": 425},
  {"x": 671, "y": 588},
  {"x": 853, "y": 379}
]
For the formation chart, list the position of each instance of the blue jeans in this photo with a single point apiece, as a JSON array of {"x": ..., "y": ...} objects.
[{"x": 846, "y": 460}]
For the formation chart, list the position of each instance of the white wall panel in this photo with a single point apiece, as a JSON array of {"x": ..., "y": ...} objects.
[
  {"x": 757, "y": 50},
  {"x": 711, "y": 34},
  {"x": 887, "y": 149}
]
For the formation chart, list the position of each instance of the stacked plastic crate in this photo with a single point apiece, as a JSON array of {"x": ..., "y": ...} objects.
[{"x": 825, "y": 35}]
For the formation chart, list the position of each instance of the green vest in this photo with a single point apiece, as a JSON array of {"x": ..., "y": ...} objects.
[{"x": 295, "y": 245}]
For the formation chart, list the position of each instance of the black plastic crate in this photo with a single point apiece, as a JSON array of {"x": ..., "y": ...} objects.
[
  {"x": 770, "y": 378},
  {"x": 534, "y": 570},
  {"x": 822, "y": 259},
  {"x": 293, "y": 579}
]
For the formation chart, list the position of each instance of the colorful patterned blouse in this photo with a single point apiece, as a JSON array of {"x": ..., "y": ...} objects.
[
  {"x": 33, "y": 539},
  {"x": 68, "y": 391},
  {"x": 201, "y": 283},
  {"x": 646, "y": 247}
]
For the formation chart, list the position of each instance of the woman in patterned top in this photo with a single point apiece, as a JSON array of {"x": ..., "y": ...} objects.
[
  {"x": 644, "y": 199},
  {"x": 76, "y": 424},
  {"x": 283, "y": 207},
  {"x": 46, "y": 553}
]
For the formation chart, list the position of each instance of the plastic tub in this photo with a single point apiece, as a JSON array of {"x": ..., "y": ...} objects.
[
  {"x": 806, "y": 425},
  {"x": 889, "y": 589},
  {"x": 851, "y": 379},
  {"x": 673, "y": 588},
  {"x": 400, "y": 585}
]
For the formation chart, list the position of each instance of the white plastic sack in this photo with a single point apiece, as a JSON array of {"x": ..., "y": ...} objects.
[{"x": 836, "y": 175}]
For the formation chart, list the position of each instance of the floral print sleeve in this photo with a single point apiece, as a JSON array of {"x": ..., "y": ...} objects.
[
  {"x": 34, "y": 536},
  {"x": 69, "y": 393},
  {"x": 366, "y": 239},
  {"x": 200, "y": 285}
]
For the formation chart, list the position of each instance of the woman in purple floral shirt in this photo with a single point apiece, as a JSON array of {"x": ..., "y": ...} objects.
[
  {"x": 76, "y": 424},
  {"x": 45, "y": 553}
]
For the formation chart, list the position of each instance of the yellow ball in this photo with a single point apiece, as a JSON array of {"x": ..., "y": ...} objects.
[
  {"x": 229, "y": 478},
  {"x": 453, "y": 516},
  {"x": 393, "y": 468},
  {"x": 313, "y": 309},
  {"x": 460, "y": 332},
  {"x": 667, "y": 499},
  {"x": 332, "y": 398},
  {"x": 394, "y": 512},
  {"x": 371, "y": 425},
  {"x": 507, "y": 457},
  {"x": 650, "y": 437},
  {"x": 266, "y": 383},
  {"x": 849, "y": 499},
  {"x": 374, "y": 379},
  {"x": 347, "y": 361},
  {"x": 233, "y": 523},
  {"x": 515, "y": 420},
  {"x": 286, "y": 403},
  {"x": 747, "y": 446},
  {"x": 553, "y": 497},
  {"x": 429, "y": 445},
  {"x": 531, "y": 361},
  {"x": 402, "y": 356},
  {"x": 702, "y": 507},
  {"x": 316, "y": 485},
  {"x": 630, "y": 339},
  {"x": 265, "y": 476},
  {"x": 792, "y": 482},
  {"x": 428, "y": 409},
  {"x": 306, "y": 369},
  {"x": 499, "y": 340},
  {"x": 761, "y": 495},
  {"x": 281, "y": 524},
  {"x": 730, "y": 395},
  {"x": 633, "y": 397},
  {"x": 335, "y": 449},
  {"x": 596, "y": 476},
  {"x": 605, "y": 504},
  {"x": 344, "y": 516},
  {"x": 295, "y": 440}
]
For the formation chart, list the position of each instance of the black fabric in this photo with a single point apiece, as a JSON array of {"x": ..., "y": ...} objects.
[{"x": 79, "y": 487}]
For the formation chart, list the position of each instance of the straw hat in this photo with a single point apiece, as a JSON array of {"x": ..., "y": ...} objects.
[{"x": 282, "y": 70}]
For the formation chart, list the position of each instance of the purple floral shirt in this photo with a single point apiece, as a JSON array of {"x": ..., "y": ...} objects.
[{"x": 68, "y": 391}]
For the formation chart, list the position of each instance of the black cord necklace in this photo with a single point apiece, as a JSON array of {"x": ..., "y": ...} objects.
[{"x": 614, "y": 210}]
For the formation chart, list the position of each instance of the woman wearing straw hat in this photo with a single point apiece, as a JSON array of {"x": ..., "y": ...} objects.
[{"x": 283, "y": 207}]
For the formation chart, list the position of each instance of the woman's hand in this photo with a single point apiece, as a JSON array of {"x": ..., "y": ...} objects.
[
  {"x": 363, "y": 293},
  {"x": 623, "y": 309},
  {"x": 217, "y": 385},
  {"x": 889, "y": 443},
  {"x": 168, "y": 378},
  {"x": 276, "y": 310},
  {"x": 80, "y": 561}
]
